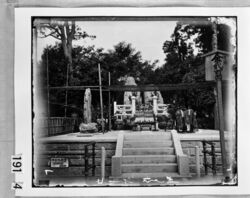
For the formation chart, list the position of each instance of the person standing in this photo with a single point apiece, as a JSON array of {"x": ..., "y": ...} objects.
[
  {"x": 195, "y": 123},
  {"x": 179, "y": 115},
  {"x": 189, "y": 119}
]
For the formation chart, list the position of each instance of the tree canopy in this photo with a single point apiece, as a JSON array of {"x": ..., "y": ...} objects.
[
  {"x": 121, "y": 61},
  {"x": 182, "y": 65},
  {"x": 66, "y": 32}
]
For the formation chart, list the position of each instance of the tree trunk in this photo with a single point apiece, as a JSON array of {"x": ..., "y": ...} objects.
[
  {"x": 67, "y": 36},
  {"x": 70, "y": 65}
]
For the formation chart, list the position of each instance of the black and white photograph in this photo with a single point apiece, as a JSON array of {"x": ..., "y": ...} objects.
[
  {"x": 134, "y": 101},
  {"x": 129, "y": 101}
]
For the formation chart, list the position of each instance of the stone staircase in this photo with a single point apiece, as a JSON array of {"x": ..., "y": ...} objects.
[{"x": 147, "y": 154}]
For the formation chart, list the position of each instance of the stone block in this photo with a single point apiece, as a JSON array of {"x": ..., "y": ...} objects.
[
  {"x": 183, "y": 165},
  {"x": 116, "y": 166},
  {"x": 190, "y": 144}
]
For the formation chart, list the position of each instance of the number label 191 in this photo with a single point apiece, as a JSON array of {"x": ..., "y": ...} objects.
[{"x": 16, "y": 163}]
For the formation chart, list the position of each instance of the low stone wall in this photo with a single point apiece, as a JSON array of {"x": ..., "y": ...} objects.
[
  {"x": 76, "y": 162},
  {"x": 189, "y": 149},
  {"x": 42, "y": 157}
]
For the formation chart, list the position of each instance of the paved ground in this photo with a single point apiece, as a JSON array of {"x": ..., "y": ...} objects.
[
  {"x": 205, "y": 180},
  {"x": 201, "y": 134}
]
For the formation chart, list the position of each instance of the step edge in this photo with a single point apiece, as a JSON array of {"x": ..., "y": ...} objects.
[
  {"x": 170, "y": 155},
  {"x": 148, "y": 140},
  {"x": 151, "y": 164},
  {"x": 158, "y": 175},
  {"x": 167, "y": 147}
]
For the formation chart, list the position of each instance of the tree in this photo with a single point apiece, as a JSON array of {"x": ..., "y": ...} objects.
[
  {"x": 84, "y": 73},
  {"x": 123, "y": 60},
  {"x": 120, "y": 61},
  {"x": 184, "y": 65},
  {"x": 65, "y": 31},
  {"x": 192, "y": 38}
]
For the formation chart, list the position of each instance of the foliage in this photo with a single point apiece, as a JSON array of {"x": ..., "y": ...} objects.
[
  {"x": 66, "y": 32},
  {"x": 190, "y": 36},
  {"x": 182, "y": 65},
  {"x": 121, "y": 61}
]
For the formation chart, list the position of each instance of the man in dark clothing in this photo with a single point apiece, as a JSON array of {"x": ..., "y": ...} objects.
[
  {"x": 189, "y": 119},
  {"x": 179, "y": 115}
]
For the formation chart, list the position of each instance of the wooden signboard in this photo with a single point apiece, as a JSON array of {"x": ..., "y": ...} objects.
[
  {"x": 227, "y": 72},
  {"x": 59, "y": 162}
]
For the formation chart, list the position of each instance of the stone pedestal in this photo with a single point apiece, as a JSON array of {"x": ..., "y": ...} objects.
[
  {"x": 155, "y": 105},
  {"x": 133, "y": 105}
]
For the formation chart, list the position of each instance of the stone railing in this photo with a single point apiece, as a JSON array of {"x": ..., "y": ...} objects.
[
  {"x": 162, "y": 109},
  {"x": 117, "y": 158},
  {"x": 129, "y": 110},
  {"x": 124, "y": 110},
  {"x": 182, "y": 159}
]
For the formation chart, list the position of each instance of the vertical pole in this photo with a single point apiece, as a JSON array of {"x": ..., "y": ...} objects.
[
  {"x": 103, "y": 163},
  {"x": 218, "y": 78},
  {"x": 205, "y": 156},
  {"x": 66, "y": 91},
  {"x": 93, "y": 159},
  {"x": 109, "y": 104},
  {"x": 197, "y": 159},
  {"x": 48, "y": 93},
  {"x": 101, "y": 104},
  {"x": 216, "y": 113},
  {"x": 214, "y": 37},
  {"x": 213, "y": 159},
  {"x": 155, "y": 105},
  {"x": 221, "y": 127},
  {"x": 86, "y": 160},
  {"x": 133, "y": 105},
  {"x": 115, "y": 107}
]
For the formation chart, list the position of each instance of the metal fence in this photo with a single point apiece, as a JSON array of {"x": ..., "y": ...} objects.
[{"x": 210, "y": 152}]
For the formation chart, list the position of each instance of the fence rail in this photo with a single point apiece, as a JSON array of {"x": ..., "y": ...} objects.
[
  {"x": 88, "y": 152},
  {"x": 88, "y": 155},
  {"x": 59, "y": 125},
  {"x": 213, "y": 166}
]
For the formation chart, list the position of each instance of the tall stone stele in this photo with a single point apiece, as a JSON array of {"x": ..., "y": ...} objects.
[{"x": 87, "y": 114}]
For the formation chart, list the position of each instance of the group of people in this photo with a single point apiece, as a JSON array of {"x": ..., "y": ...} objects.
[{"x": 185, "y": 120}]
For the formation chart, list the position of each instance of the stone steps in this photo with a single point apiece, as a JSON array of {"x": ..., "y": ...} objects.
[
  {"x": 149, "y": 168},
  {"x": 149, "y": 137},
  {"x": 147, "y": 154},
  {"x": 144, "y": 159},
  {"x": 148, "y": 151},
  {"x": 146, "y": 144},
  {"x": 152, "y": 175}
]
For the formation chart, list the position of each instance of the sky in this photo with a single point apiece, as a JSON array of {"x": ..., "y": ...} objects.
[{"x": 145, "y": 36}]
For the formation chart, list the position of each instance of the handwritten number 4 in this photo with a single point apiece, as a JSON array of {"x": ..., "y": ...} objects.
[{"x": 17, "y": 186}]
